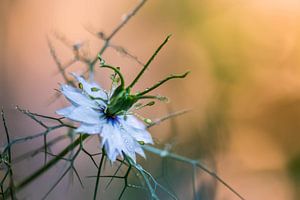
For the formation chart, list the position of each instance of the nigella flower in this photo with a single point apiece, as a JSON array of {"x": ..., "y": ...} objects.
[
  {"x": 111, "y": 114},
  {"x": 120, "y": 133}
]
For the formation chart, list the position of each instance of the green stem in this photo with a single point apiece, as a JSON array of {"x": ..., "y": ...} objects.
[
  {"x": 117, "y": 71},
  {"x": 149, "y": 97},
  {"x": 160, "y": 98},
  {"x": 51, "y": 163},
  {"x": 173, "y": 76},
  {"x": 98, "y": 175},
  {"x": 149, "y": 62}
]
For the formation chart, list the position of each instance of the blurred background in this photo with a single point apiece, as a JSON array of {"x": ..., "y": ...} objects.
[{"x": 244, "y": 89}]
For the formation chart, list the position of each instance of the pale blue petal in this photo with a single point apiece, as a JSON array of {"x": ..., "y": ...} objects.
[
  {"x": 87, "y": 87},
  {"x": 77, "y": 97},
  {"x": 140, "y": 151},
  {"x": 89, "y": 128},
  {"x": 112, "y": 141},
  {"x": 65, "y": 111},
  {"x": 136, "y": 129},
  {"x": 117, "y": 140},
  {"x": 86, "y": 115},
  {"x": 112, "y": 155},
  {"x": 129, "y": 144},
  {"x": 141, "y": 135},
  {"x": 134, "y": 122}
]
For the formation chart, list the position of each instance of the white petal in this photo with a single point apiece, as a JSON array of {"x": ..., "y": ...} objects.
[
  {"x": 141, "y": 136},
  {"x": 134, "y": 122},
  {"x": 113, "y": 141},
  {"x": 89, "y": 128},
  {"x": 86, "y": 115},
  {"x": 110, "y": 138},
  {"x": 87, "y": 87},
  {"x": 136, "y": 129},
  {"x": 65, "y": 111},
  {"x": 107, "y": 132},
  {"x": 77, "y": 97},
  {"x": 112, "y": 156},
  {"x": 130, "y": 145},
  {"x": 140, "y": 151},
  {"x": 117, "y": 140}
]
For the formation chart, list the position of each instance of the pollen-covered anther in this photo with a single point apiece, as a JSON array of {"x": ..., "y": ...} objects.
[
  {"x": 139, "y": 106},
  {"x": 95, "y": 89},
  {"x": 148, "y": 121},
  {"x": 80, "y": 86},
  {"x": 163, "y": 98}
]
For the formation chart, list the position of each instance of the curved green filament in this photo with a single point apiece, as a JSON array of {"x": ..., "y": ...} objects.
[
  {"x": 160, "y": 98},
  {"x": 149, "y": 62},
  {"x": 151, "y": 103},
  {"x": 172, "y": 76},
  {"x": 98, "y": 98},
  {"x": 148, "y": 97},
  {"x": 117, "y": 71}
]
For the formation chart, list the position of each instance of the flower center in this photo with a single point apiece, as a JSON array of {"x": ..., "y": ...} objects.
[
  {"x": 110, "y": 118},
  {"x": 120, "y": 102}
]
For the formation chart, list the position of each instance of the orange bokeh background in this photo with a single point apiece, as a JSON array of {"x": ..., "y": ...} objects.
[{"x": 244, "y": 89}]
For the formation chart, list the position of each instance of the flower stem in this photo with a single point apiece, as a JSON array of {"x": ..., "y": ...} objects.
[
  {"x": 98, "y": 175},
  {"x": 149, "y": 62},
  {"x": 172, "y": 76}
]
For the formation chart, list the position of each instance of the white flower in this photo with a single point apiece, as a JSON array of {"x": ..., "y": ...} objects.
[{"x": 120, "y": 133}]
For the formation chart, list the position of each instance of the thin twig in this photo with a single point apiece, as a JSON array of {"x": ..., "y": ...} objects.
[
  {"x": 164, "y": 154},
  {"x": 58, "y": 62},
  {"x": 9, "y": 165},
  {"x": 169, "y": 116},
  {"x": 98, "y": 176},
  {"x": 118, "y": 28}
]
